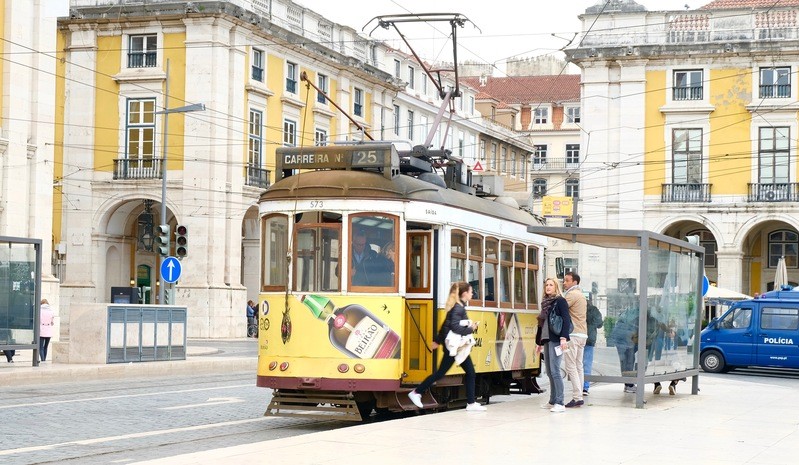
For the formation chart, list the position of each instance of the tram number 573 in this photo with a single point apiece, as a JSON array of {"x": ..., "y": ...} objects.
[{"x": 317, "y": 204}]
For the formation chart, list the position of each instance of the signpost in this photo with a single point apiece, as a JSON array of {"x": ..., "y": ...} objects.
[{"x": 170, "y": 269}]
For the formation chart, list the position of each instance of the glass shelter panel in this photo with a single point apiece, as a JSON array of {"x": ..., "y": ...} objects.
[{"x": 18, "y": 305}]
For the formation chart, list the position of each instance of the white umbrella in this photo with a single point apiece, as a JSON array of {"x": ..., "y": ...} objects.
[
  {"x": 719, "y": 293},
  {"x": 781, "y": 277}
]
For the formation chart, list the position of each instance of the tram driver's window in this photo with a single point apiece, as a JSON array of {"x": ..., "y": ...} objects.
[
  {"x": 373, "y": 252},
  {"x": 317, "y": 250}
]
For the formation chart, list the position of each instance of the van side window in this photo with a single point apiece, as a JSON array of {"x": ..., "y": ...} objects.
[
  {"x": 738, "y": 318},
  {"x": 780, "y": 318}
]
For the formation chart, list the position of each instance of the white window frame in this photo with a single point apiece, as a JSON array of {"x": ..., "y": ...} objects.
[
  {"x": 289, "y": 133},
  {"x": 323, "y": 83},
  {"x": 357, "y": 102},
  {"x": 573, "y": 115},
  {"x": 291, "y": 78},
  {"x": 149, "y": 47},
  {"x": 320, "y": 137},
  {"x": 139, "y": 128},
  {"x": 255, "y": 138},
  {"x": 257, "y": 65},
  {"x": 540, "y": 116}
]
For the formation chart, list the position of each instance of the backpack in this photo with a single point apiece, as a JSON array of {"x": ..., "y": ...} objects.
[{"x": 556, "y": 323}]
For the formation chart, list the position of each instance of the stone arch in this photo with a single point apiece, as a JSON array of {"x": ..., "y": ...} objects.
[
  {"x": 754, "y": 243},
  {"x": 250, "y": 252},
  {"x": 683, "y": 225}
]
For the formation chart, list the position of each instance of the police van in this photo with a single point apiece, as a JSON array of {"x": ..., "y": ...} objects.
[{"x": 761, "y": 332}]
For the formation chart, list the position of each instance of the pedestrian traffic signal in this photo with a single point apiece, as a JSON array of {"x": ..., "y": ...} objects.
[
  {"x": 181, "y": 241},
  {"x": 162, "y": 241}
]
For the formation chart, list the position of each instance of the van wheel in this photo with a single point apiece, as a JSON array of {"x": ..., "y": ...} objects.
[{"x": 712, "y": 361}]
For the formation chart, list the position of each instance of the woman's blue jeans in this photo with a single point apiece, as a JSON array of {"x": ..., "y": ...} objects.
[{"x": 553, "y": 362}]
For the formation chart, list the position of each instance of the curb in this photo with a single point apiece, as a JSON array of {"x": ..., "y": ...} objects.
[{"x": 61, "y": 373}]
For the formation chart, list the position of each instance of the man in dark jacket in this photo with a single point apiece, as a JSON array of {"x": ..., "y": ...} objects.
[{"x": 594, "y": 321}]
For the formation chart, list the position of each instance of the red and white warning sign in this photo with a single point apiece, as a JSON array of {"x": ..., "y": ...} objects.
[{"x": 477, "y": 166}]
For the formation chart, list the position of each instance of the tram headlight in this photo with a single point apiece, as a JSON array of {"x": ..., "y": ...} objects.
[
  {"x": 359, "y": 368},
  {"x": 343, "y": 368},
  {"x": 272, "y": 366}
]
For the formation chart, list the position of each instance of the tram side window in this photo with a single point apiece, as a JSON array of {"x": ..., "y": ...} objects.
[
  {"x": 474, "y": 272},
  {"x": 518, "y": 275},
  {"x": 458, "y": 260},
  {"x": 317, "y": 258},
  {"x": 274, "y": 266},
  {"x": 532, "y": 277},
  {"x": 373, "y": 252},
  {"x": 491, "y": 265},
  {"x": 419, "y": 253},
  {"x": 505, "y": 266}
]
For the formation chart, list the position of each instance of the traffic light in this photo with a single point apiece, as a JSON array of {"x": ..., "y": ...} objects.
[
  {"x": 181, "y": 241},
  {"x": 162, "y": 241}
]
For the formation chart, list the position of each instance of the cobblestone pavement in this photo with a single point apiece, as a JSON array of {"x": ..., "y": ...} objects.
[{"x": 101, "y": 422}]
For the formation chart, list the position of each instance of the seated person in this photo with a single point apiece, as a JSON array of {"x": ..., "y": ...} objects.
[{"x": 361, "y": 258}]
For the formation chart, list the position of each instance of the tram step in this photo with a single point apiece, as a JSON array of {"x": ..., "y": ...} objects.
[{"x": 326, "y": 406}]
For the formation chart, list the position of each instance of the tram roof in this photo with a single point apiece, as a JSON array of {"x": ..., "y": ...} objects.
[{"x": 368, "y": 185}]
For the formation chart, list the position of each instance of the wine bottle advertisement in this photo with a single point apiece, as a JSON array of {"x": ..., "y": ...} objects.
[{"x": 357, "y": 327}]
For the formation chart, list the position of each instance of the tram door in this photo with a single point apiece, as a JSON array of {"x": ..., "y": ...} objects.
[{"x": 419, "y": 311}]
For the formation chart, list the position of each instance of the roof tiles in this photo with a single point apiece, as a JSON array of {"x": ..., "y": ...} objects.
[
  {"x": 529, "y": 89},
  {"x": 732, "y": 4}
]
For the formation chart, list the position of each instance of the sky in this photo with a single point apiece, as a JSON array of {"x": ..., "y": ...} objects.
[
  {"x": 499, "y": 29},
  {"x": 507, "y": 28}
]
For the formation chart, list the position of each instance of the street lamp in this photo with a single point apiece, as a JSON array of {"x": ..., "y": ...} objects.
[{"x": 166, "y": 111}]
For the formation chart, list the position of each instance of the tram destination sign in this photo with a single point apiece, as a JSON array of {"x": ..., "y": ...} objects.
[{"x": 338, "y": 157}]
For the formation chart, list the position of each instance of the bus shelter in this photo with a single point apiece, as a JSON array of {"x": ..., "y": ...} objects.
[
  {"x": 20, "y": 294},
  {"x": 648, "y": 288}
]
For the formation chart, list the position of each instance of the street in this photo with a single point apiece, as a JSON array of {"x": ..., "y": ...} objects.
[{"x": 97, "y": 422}]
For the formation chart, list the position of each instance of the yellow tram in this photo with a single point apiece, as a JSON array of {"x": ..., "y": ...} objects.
[{"x": 340, "y": 337}]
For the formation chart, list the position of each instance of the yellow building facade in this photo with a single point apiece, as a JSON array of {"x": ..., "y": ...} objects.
[
  {"x": 120, "y": 69},
  {"x": 692, "y": 122}
]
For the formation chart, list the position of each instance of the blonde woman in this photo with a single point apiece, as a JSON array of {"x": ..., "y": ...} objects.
[
  {"x": 551, "y": 343},
  {"x": 459, "y": 294}
]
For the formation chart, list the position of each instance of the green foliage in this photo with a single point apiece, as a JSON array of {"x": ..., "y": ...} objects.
[{"x": 607, "y": 327}]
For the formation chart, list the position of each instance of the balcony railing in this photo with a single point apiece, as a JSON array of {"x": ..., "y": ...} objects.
[
  {"x": 685, "y": 193},
  {"x": 558, "y": 164},
  {"x": 137, "y": 168},
  {"x": 257, "y": 74},
  {"x": 141, "y": 59},
  {"x": 775, "y": 192},
  {"x": 257, "y": 177},
  {"x": 688, "y": 93},
  {"x": 775, "y": 91}
]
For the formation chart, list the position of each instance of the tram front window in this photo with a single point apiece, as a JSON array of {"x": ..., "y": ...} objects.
[
  {"x": 317, "y": 259},
  {"x": 373, "y": 252}
]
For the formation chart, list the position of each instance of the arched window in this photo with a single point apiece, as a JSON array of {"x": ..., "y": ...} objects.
[
  {"x": 539, "y": 187},
  {"x": 707, "y": 241},
  {"x": 572, "y": 188},
  {"x": 783, "y": 244}
]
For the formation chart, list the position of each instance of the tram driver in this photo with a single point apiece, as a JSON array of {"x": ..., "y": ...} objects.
[{"x": 370, "y": 268}]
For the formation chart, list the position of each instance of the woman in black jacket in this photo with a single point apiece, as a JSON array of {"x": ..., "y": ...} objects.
[
  {"x": 547, "y": 339},
  {"x": 459, "y": 294}
]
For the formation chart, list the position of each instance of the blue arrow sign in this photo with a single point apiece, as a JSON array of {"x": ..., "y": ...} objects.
[{"x": 170, "y": 269}]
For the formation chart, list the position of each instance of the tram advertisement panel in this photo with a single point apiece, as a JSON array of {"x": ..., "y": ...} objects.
[
  {"x": 504, "y": 341},
  {"x": 332, "y": 326}
]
